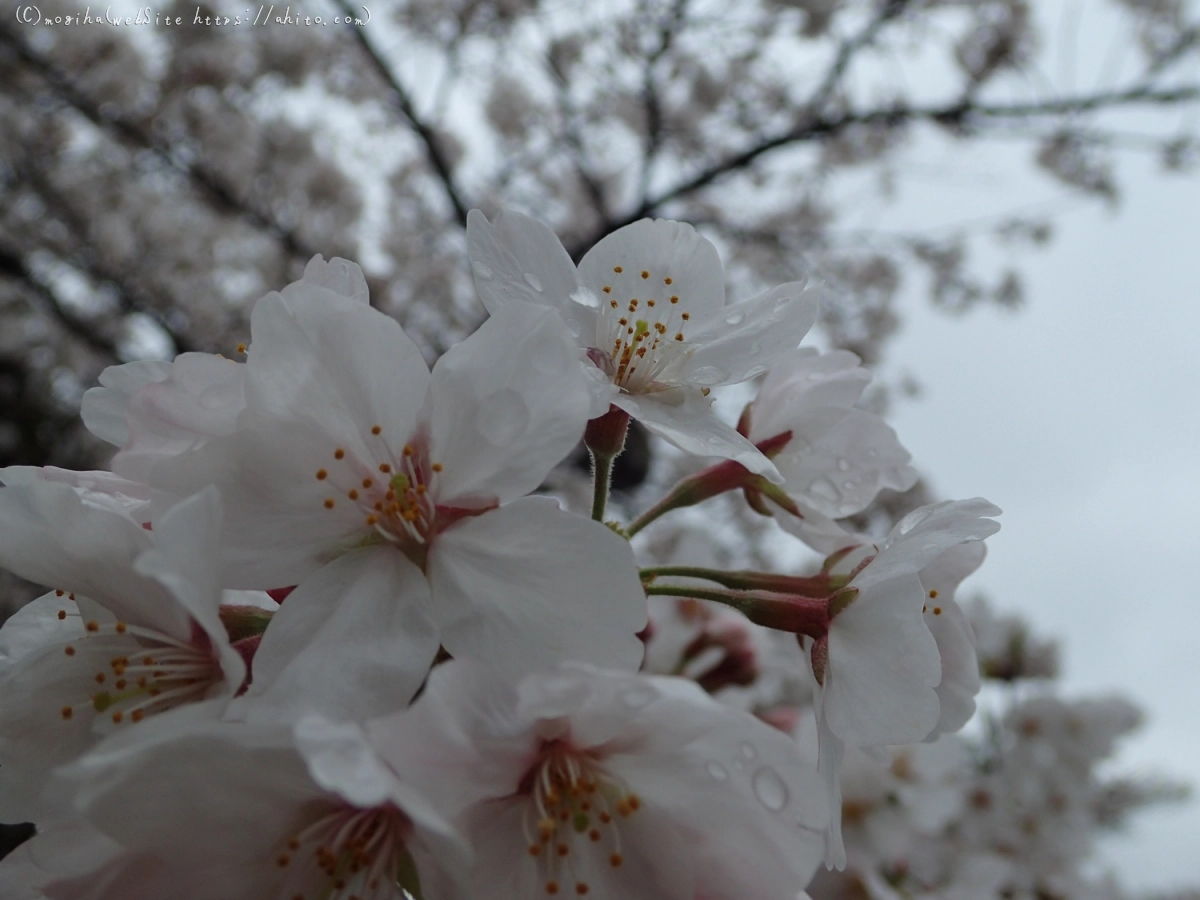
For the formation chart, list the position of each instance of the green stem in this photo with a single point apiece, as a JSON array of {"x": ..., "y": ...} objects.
[
  {"x": 818, "y": 587},
  {"x": 797, "y": 615},
  {"x": 601, "y": 479}
]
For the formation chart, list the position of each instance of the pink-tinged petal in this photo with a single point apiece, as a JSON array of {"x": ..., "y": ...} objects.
[
  {"x": 103, "y": 409},
  {"x": 662, "y": 249},
  {"x": 53, "y": 536},
  {"x": 355, "y": 639},
  {"x": 338, "y": 369},
  {"x": 461, "y": 740},
  {"x": 743, "y": 340},
  {"x": 751, "y": 810},
  {"x": 527, "y": 586},
  {"x": 518, "y": 258},
  {"x": 133, "y": 876},
  {"x": 58, "y": 851},
  {"x": 883, "y": 667},
  {"x": 802, "y": 381},
  {"x": 199, "y": 399},
  {"x": 684, "y": 417},
  {"x": 338, "y": 276},
  {"x": 839, "y": 469},
  {"x": 953, "y": 633},
  {"x": 656, "y": 863},
  {"x": 505, "y": 406}
]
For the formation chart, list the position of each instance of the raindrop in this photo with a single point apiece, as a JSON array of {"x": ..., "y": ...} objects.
[
  {"x": 844, "y": 465},
  {"x": 714, "y": 439},
  {"x": 756, "y": 348},
  {"x": 584, "y": 297},
  {"x": 717, "y": 771},
  {"x": 708, "y": 375},
  {"x": 735, "y": 317},
  {"x": 748, "y": 751},
  {"x": 770, "y": 789},
  {"x": 825, "y": 488},
  {"x": 534, "y": 282},
  {"x": 482, "y": 271},
  {"x": 849, "y": 485},
  {"x": 502, "y": 417},
  {"x": 755, "y": 371}
]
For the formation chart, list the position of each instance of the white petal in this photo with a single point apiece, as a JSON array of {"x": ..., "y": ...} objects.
[
  {"x": 684, "y": 417},
  {"x": 883, "y": 667},
  {"x": 52, "y": 536},
  {"x": 922, "y": 536},
  {"x": 36, "y": 625},
  {"x": 103, "y": 409},
  {"x": 662, "y": 249},
  {"x": 802, "y": 381},
  {"x": 528, "y": 585},
  {"x": 953, "y": 633},
  {"x": 744, "y": 340},
  {"x": 340, "y": 368},
  {"x": 462, "y": 739},
  {"x": 354, "y": 640},
  {"x": 819, "y": 531},
  {"x": 98, "y": 488},
  {"x": 199, "y": 399},
  {"x": 750, "y": 809},
  {"x": 339, "y": 276},
  {"x": 829, "y": 765},
  {"x": 839, "y": 469},
  {"x": 518, "y": 258},
  {"x": 506, "y": 405}
]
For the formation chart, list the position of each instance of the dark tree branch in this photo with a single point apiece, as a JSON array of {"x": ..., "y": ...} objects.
[
  {"x": 888, "y": 10},
  {"x": 593, "y": 188},
  {"x": 650, "y": 100},
  {"x": 958, "y": 115},
  {"x": 403, "y": 102},
  {"x": 210, "y": 186}
]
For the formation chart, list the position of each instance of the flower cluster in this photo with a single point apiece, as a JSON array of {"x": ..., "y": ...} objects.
[{"x": 317, "y": 636}]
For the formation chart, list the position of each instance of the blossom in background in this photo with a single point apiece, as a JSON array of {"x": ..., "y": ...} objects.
[
  {"x": 309, "y": 811},
  {"x": 586, "y": 782},
  {"x": 132, "y": 631},
  {"x": 838, "y": 457},
  {"x": 646, "y": 308},
  {"x": 395, "y": 499}
]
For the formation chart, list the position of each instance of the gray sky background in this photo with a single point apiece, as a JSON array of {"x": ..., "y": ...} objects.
[{"x": 1079, "y": 416}]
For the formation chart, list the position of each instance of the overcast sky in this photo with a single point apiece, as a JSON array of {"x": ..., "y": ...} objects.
[{"x": 1080, "y": 417}]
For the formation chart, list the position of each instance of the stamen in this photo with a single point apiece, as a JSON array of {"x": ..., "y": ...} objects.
[{"x": 376, "y": 429}]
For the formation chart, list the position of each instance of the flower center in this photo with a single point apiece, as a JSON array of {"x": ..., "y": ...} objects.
[
  {"x": 394, "y": 492},
  {"x": 348, "y": 853},
  {"x": 637, "y": 338},
  {"x": 160, "y": 673},
  {"x": 574, "y": 813}
]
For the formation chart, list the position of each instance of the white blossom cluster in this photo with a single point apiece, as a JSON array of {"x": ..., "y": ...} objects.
[{"x": 316, "y": 635}]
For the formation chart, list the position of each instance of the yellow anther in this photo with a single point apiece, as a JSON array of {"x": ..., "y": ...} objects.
[
  {"x": 118, "y": 716},
  {"x": 686, "y": 316},
  {"x": 674, "y": 298},
  {"x": 121, "y": 626},
  {"x": 615, "y": 860},
  {"x": 618, "y": 269},
  {"x": 608, "y": 289},
  {"x": 241, "y": 348},
  {"x": 668, "y": 280},
  {"x": 339, "y": 453},
  {"x": 645, "y": 274},
  {"x": 353, "y": 495},
  {"x": 937, "y": 610},
  {"x": 62, "y": 614},
  {"x": 92, "y": 626},
  {"x": 437, "y": 467},
  {"x": 367, "y": 482},
  {"x": 67, "y": 712},
  {"x": 59, "y": 593},
  {"x": 385, "y": 468},
  {"x": 322, "y": 474},
  {"x": 679, "y": 336},
  {"x": 933, "y": 595},
  {"x": 375, "y": 429},
  {"x": 329, "y": 503}
]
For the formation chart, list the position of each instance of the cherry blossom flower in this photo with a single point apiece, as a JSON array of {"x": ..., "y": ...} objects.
[
  {"x": 133, "y": 630},
  {"x": 247, "y": 812},
  {"x": 879, "y": 666},
  {"x": 588, "y": 782},
  {"x": 395, "y": 499},
  {"x": 838, "y": 457},
  {"x": 647, "y": 309}
]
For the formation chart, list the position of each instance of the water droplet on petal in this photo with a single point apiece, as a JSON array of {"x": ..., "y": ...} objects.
[
  {"x": 735, "y": 317},
  {"x": 849, "y": 485},
  {"x": 844, "y": 465},
  {"x": 575, "y": 327},
  {"x": 533, "y": 281},
  {"x": 502, "y": 417},
  {"x": 748, "y": 751},
  {"x": 756, "y": 347},
  {"x": 717, "y": 771},
  {"x": 637, "y": 697},
  {"x": 872, "y": 453},
  {"x": 755, "y": 371},
  {"x": 738, "y": 764},
  {"x": 825, "y": 488},
  {"x": 770, "y": 789},
  {"x": 708, "y": 375},
  {"x": 482, "y": 271},
  {"x": 714, "y": 440}
]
